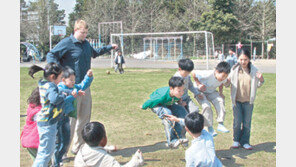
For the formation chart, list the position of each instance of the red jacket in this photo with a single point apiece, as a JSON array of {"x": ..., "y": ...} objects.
[{"x": 30, "y": 135}]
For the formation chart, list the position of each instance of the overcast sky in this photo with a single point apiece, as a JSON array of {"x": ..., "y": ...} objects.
[{"x": 67, "y": 5}]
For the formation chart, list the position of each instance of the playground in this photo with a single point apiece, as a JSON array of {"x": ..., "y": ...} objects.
[{"x": 116, "y": 100}]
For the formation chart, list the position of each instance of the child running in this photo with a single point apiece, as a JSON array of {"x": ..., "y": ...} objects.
[
  {"x": 163, "y": 101},
  {"x": 92, "y": 153},
  {"x": 207, "y": 82},
  {"x": 68, "y": 86},
  {"x": 185, "y": 68},
  {"x": 202, "y": 149},
  {"x": 52, "y": 103}
]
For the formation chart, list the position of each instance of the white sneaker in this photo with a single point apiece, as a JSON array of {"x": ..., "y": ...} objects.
[
  {"x": 174, "y": 145},
  {"x": 247, "y": 147},
  {"x": 235, "y": 144},
  {"x": 212, "y": 131},
  {"x": 184, "y": 142},
  {"x": 137, "y": 159},
  {"x": 222, "y": 128}
]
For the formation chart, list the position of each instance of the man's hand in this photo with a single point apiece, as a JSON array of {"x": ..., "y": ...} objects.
[
  {"x": 114, "y": 46},
  {"x": 89, "y": 73}
]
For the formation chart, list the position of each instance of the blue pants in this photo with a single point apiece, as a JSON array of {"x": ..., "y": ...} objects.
[
  {"x": 176, "y": 110},
  {"x": 47, "y": 137},
  {"x": 242, "y": 117},
  {"x": 63, "y": 140}
]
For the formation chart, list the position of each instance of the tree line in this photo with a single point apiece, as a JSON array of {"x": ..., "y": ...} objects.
[{"x": 229, "y": 20}]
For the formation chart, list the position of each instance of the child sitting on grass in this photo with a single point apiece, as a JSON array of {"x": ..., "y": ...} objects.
[
  {"x": 163, "y": 101},
  {"x": 92, "y": 153},
  {"x": 202, "y": 149}
]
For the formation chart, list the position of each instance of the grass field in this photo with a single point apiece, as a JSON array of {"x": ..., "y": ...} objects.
[{"x": 116, "y": 101}]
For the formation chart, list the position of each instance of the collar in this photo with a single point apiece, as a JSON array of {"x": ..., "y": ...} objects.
[{"x": 74, "y": 40}]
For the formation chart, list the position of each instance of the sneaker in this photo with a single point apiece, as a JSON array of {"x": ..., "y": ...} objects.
[
  {"x": 222, "y": 128},
  {"x": 212, "y": 131},
  {"x": 61, "y": 164},
  {"x": 65, "y": 158},
  {"x": 247, "y": 147},
  {"x": 74, "y": 153},
  {"x": 174, "y": 145},
  {"x": 137, "y": 159},
  {"x": 184, "y": 142},
  {"x": 235, "y": 144}
]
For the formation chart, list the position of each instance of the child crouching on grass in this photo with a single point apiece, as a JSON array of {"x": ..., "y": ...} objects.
[
  {"x": 163, "y": 101},
  {"x": 202, "y": 149},
  {"x": 92, "y": 153},
  {"x": 52, "y": 103}
]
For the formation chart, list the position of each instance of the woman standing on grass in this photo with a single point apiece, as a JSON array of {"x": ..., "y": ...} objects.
[{"x": 244, "y": 79}]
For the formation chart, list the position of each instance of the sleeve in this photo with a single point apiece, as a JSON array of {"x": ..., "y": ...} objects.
[
  {"x": 101, "y": 50},
  {"x": 85, "y": 83},
  {"x": 192, "y": 88},
  {"x": 228, "y": 83},
  {"x": 57, "y": 53},
  {"x": 54, "y": 96},
  {"x": 69, "y": 99},
  {"x": 152, "y": 102}
]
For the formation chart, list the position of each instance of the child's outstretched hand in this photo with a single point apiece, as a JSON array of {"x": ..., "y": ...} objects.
[
  {"x": 81, "y": 93},
  {"x": 260, "y": 76},
  {"x": 89, "y": 73},
  {"x": 202, "y": 87},
  {"x": 74, "y": 93}
]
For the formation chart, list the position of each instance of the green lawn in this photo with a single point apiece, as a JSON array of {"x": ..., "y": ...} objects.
[{"x": 116, "y": 101}]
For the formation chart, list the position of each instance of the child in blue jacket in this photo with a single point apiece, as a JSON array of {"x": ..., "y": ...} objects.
[
  {"x": 69, "y": 87},
  {"x": 52, "y": 102}
]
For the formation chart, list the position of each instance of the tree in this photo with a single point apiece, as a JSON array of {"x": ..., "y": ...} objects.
[
  {"x": 265, "y": 21},
  {"x": 219, "y": 20}
]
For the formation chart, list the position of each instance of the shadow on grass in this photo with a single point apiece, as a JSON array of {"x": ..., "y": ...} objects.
[
  {"x": 128, "y": 152},
  {"x": 229, "y": 156}
]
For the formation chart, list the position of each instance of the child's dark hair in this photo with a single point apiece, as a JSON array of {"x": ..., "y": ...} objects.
[
  {"x": 245, "y": 52},
  {"x": 176, "y": 82},
  {"x": 50, "y": 68},
  {"x": 34, "y": 97},
  {"x": 194, "y": 122},
  {"x": 92, "y": 133},
  {"x": 186, "y": 64},
  {"x": 223, "y": 67},
  {"x": 67, "y": 72}
]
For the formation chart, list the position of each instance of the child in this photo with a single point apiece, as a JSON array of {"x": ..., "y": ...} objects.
[
  {"x": 244, "y": 80},
  {"x": 207, "y": 81},
  {"x": 231, "y": 59},
  {"x": 202, "y": 150},
  {"x": 221, "y": 56},
  {"x": 93, "y": 153},
  {"x": 162, "y": 101},
  {"x": 30, "y": 135},
  {"x": 119, "y": 60},
  {"x": 52, "y": 103},
  {"x": 185, "y": 67},
  {"x": 69, "y": 87}
]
